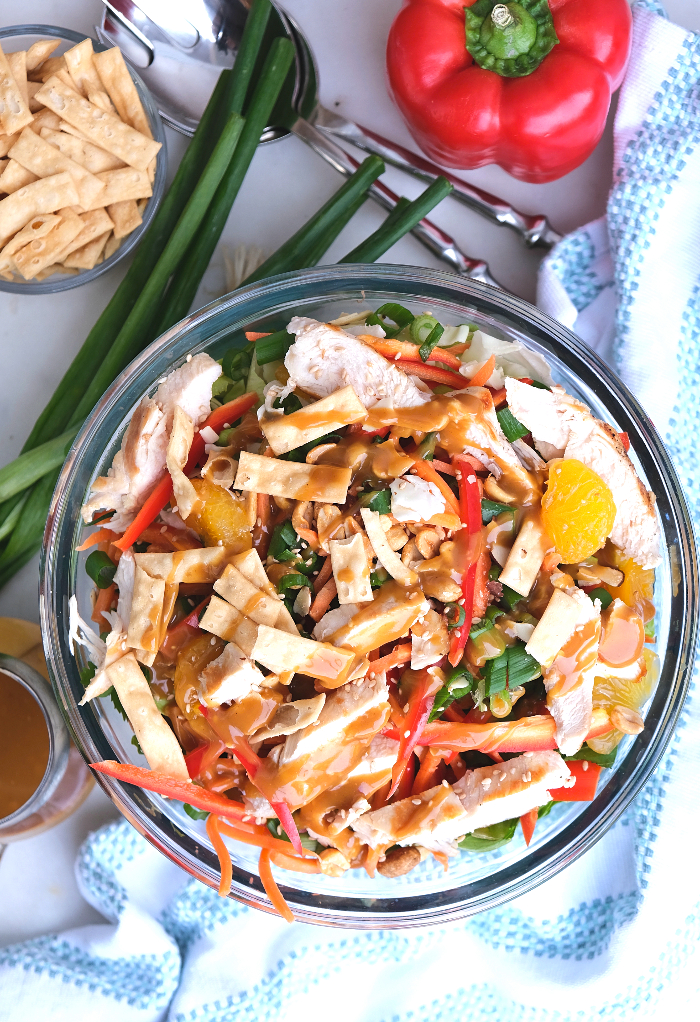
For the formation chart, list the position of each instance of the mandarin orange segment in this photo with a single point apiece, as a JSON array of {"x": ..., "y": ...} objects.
[
  {"x": 578, "y": 509},
  {"x": 637, "y": 588},
  {"x": 219, "y": 518},
  {"x": 633, "y": 694}
]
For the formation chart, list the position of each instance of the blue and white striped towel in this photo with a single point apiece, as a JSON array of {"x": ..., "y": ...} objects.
[{"x": 609, "y": 938}]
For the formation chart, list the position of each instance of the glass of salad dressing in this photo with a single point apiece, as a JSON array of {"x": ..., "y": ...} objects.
[{"x": 42, "y": 776}]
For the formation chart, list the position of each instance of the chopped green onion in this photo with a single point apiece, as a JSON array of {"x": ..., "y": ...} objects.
[
  {"x": 377, "y": 500},
  {"x": 495, "y": 674},
  {"x": 293, "y": 580},
  {"x": 426, "y": 348},
  {"x": 422, "y": 327},
  {"x": 604, "y": 759},
  {"x": 512, "y": 428},
  {"x": 396, "y": 313},
  {"x": 455, "y": 615},
  {"x": 494, "y": 572},
  {"x": 307, "y": 562},
  {"x": 491, "y": 508},
  {"x": 603, "y": 595},
  {"x": 510, "y": 597},
  {"x": 540, "y": 386},
  {"x": 521, "y": 666},
  {"x": 459, "y": 683},
  {"x": 426, "y": 448},
  {"x": 101, "y": 569},
  {"x": 378, "y": 578},
  {"x": 273, "y": 347},
  {"x": 236, "y": 362},
  {"x": 276, "y": 830},
  {"x": 194, "y": 814}
]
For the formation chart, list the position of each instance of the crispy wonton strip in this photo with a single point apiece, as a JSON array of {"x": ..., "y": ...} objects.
[
  {"x": 160, "y": 746},
  {"x": 293, "y": 480},
  {"x": 176, "y": 457}
]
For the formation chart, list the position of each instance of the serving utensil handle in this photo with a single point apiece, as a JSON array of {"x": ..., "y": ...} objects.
[
  {"x": 429, "y": 234},
  {"x": 534, "y": 229}
]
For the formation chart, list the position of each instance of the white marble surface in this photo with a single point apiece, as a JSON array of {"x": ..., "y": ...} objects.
[{"x": 39, "y": 335}]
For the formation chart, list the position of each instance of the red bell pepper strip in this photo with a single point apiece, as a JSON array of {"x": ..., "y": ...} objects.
[
  {"x": 625, "y": 441},
  {"x": 539, "y": 124},
  {"x": 482, "y": 375},
  {"x": 430, "y": 772},
  {"x": 163, "y": 490},
  {"x": 433, "y": 374},
  {"x": 528, "y": 822},
  {"x": 420, "y": 704},
  {"x": 585, "y": 776},
  {"x": 399, "y": 655},
  {"x": 529, "y": 734},
  {"x": 172, "y": 787}
]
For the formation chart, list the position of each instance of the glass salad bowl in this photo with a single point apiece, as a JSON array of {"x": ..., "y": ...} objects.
[{"x": 474, "y": 881}]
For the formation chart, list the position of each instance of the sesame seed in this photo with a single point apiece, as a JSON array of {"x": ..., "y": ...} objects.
[
  {"x": 407, "y": 733},
  {"x": 445, "y": 784},
  {"x": 189, "y": 358},
  {"x": 416, "y": 801},
  {"x": 585, "y": 765}
]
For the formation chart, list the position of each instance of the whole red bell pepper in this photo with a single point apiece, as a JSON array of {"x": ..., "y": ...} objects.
[{"x": 526, "y": 85}]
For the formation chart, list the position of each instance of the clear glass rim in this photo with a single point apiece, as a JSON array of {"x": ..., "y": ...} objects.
[
  {"x": 536, "y": 866},
  {"x": 52, "y": 285}
]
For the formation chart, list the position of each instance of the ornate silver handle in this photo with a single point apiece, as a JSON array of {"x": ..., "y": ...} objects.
[
  {"x": 533, "y": 228},
  {"x": 428, "y": 233}
]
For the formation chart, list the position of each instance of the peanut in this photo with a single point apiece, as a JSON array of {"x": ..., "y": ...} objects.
[
  {"x": 399, "y": 861},
  {"x": 626, "y": 720}
]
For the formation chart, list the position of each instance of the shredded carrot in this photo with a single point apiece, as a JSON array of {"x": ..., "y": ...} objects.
[
  {"x": 425, "y": 470},
  {"x": 323, "y": 600},
  {"x": 454, "y": 714},
  {"x": 310, "y": 535},
  {"x": 443, "y": 466},
  {"x": 294, "y": 863},
  {"x": 499, "y": 396},
  {"x": 254, "y": 335},
  {"x": 324, "y": 574},
  {"x": 372, "y": 857},
  {"x": 177, "y": 539},
  {"x": 150, "y": 509},
  {"x": 409, "y": 352},
  {"x": 104, "y": 601},
  {"x": 473, "y": 462},
  {"x": 101, "y": 536},
  {"x": 399, "y": 655},
  {"x": 551, "y": 560},
  {"x": 481, "y": 376},
  {"x": 442, "y": 858},
  {"x": 403, "y": 788},
  {"x": 224, "y": 857},
  {"x": 271, "y": 889},
  {"x": 427, "y": 776}
]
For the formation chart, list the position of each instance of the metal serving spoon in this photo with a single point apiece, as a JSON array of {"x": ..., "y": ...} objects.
[
  {"x": 208, "y": 32},
  {"x": 149, "y": 44}
]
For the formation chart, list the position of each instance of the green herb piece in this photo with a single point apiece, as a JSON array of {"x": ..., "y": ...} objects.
[
  {"x": 161, "y": 702},
  {"x": 604, "y": 759},
  {"x": 603, "y": 595},
  {"x": 650, "y": 630},
  {"x": 377, "y": 500},
  {"x": 422, "y": 327},
  {"x": 510, "y": 597},
  {"x": 135, "y": 741},
  {"x": 291, "y": 581},
  {"x": 540, "y": 386},
  {"x": 394, "y": 228},
  {"x": 306, "y": 842},
  {"x": 426, "y": 448},
  {"x": 101, "y": 569},
  {"x": 455, "y": 615},
  {"x": 512, "y": 428},
  {"x": 487, "y": 839},
  {"x": 491, "y": 508},
  {"x": 236, "y": 362},
  {"x": 221, "y": 385},
  {"x": 87, "y": 674},
  {"x": 459, "y": 684},
  {"x": 299, "y": 453},
  {"x": 194, "y": 814},
  {"x": 494, "y": 572},
  {"x": 284, "y": 540},
  {"x": 378, "y": 578},
  {"x": 434, "y": 336},
  {"x": 290, "y": 404}
]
